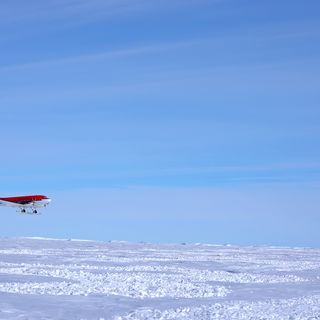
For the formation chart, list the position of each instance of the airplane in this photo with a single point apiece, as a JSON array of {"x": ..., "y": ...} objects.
[{"x": 24, "y": 202}]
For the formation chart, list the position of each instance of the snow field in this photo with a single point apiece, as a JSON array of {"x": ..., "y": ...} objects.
[
  {"x": 138, "y": 285},
  {"x": 305, "y": 308},
  {"x": 121, "y": 280}
]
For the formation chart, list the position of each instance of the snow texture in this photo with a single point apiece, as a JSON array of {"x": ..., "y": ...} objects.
[
  {"x": 290, "y": 309},
  {"x": 73, "y": 279}
]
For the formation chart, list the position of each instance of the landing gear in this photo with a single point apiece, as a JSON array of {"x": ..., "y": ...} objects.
[
  {"x": 35, "y": 212},
  {"x": 23, "y": 211}
]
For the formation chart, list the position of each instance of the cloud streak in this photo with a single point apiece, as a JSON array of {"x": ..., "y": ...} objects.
[{"x": 81, "y": 10}]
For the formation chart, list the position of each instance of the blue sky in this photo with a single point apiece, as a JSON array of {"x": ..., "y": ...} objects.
[{"x": 163, "y": 121}]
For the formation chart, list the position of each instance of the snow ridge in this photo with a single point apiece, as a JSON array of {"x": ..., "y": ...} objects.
[{"x": 283, "y": 309}]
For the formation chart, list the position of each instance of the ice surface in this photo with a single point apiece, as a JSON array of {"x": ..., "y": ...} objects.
[
  {"x": 49, "y": 279},
  {"x": 289, "y": 309}
]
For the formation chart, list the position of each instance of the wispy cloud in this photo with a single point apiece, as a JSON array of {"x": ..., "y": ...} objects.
[
  {"x": 261, "y": 34},
  {"x": 80, "y": 10},
  {"x": 260, "y": 174},
  {"x": 113, "y": 54}
]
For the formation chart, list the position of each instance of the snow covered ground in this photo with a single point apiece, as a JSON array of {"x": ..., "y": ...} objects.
[{"x": 73, "y": 279}]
